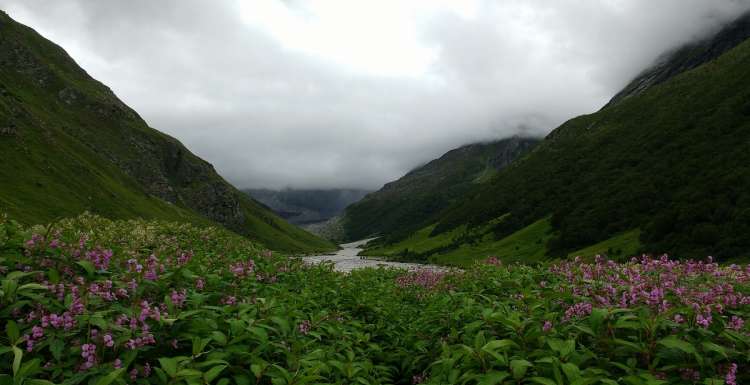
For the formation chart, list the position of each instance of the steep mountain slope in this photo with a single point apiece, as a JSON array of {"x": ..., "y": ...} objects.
[
  {"x": 688, "y": 57},
  {"x": 411, "y": 202},
  {"x": 69, "y": 145},
  {"x": 300, "y": 206},
  {"x": 669, "y": 156}
]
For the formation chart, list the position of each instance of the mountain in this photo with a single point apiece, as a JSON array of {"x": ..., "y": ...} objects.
[
  {"x": 70, "y": 145},
  {"x": 409, "y": 203},
  {"x": 663, "y": 168},
  {"x": 301, "y": 207}
]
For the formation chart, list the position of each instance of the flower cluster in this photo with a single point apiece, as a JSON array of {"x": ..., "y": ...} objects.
[
  {"x": 424, "y": 278},
  {"x": 243, "y": 268},
  {"x": 658, "y": 283},
  {"x": 99, "y": 257}
]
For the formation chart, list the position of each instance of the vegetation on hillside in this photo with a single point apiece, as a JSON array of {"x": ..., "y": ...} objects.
[
  {"x": 411, "y": 202},
  {"x": 70, "y": 145},
  {"x": 88, "y": 300},
  {"x": 671, "y": 161}
]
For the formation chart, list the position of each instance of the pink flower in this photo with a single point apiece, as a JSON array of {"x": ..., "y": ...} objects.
[
  {"x": 200, "y": 284},
  {"x": 494, "y": 261},
  {"x": 427, "y": 279},
  {"x": 88, "y": 351},
  {"x": 108, "y": 341},
  {"x": 117, "y": 364},
  {"x": 547, "y": 326},
  {"x": 304, "y": 327},
  {"x": 731, "y": 377},
  {"x": 736, "y": 323},
  {"x": 178, "y": 298},
  {"x": 580, "y": 309},
  {"x": 703, "y": 320},
  {"x": 242, "y": 269}
]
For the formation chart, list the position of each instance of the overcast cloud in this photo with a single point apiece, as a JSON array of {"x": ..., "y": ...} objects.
[{"x": 317, "y": 94}]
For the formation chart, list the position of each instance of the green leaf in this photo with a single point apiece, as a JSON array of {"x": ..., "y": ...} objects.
[
  {"x": 499, "y": 344},
  {"x": 571, "y": 371},
  {"x": 493, "y": 378},
  {"x": 673, "y": 342},
  {"x": 635, "y": 347},
  {"x": 597, "y": 318},
  {"x": 212, "y": 373},
  {"x": 29, "y": 368},
  {"x": 542, "y": 380},
  {"x": 189, "y": 373},
  {"x": 56, "y": 347},
  {"x": 199, "y": 344},
  {"x": 564, "y": 348},
  {"x": 17, "y": 356},
  {"x": 38, "y": 382},
  {"x": 219, "y": 337},
  {"x": 169, "y": 365},
  {"x": 113, "y": 375},
  {"x": 11, "y": 329},
  {"x": 15, "y": 275},
  {"x": 32, "y": 286},
  {"x": 519, "y": 367},
  {"x": 258, "y": 369},
  {"x": 88, "y": 266},
  {"x": 712, "y": 347},
  {"x": 162, "y": 376}
]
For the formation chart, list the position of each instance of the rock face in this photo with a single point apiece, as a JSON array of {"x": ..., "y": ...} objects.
[
  {"x": 59, "y": 119},
  {"x": 411, "y": 202},
  {"x": 688, "y": 57}
]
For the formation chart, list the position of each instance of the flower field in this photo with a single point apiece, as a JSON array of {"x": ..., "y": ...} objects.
[{"x": 92, "y": 301}]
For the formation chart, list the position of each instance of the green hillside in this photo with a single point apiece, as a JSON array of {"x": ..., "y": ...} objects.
[
  {"x": 663, "y": 168},
  {"x": 672, "y": 160},
  {"x": 69, "y": 145},
  {"x": 411, "y": 202}
]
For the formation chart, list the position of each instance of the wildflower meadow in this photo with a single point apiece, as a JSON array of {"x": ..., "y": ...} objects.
[{"x": 93, "y": 301}]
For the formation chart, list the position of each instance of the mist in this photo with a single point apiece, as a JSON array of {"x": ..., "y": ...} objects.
[{"x": 347, "y": 94}]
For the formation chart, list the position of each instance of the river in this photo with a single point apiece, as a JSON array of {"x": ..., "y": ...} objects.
[{"x": 347, "y": 259}]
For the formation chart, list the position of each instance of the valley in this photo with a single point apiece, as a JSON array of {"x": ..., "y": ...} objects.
[{"x": 612, "y": 249}]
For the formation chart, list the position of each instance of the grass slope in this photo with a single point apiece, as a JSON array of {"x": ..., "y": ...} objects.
[
  {"x": 69, "y": 145},
  {"x": 618, "y": 247},
  {"x": 463, "y": 246}
]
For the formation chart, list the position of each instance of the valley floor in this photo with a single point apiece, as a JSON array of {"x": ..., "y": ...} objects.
[{"x": 347, "y": 259}]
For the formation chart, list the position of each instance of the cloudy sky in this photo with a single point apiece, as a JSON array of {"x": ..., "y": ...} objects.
[{"x": 316, "y": 94}]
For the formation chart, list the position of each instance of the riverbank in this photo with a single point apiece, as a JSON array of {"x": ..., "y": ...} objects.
[{"x": 347, "y": 259}]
